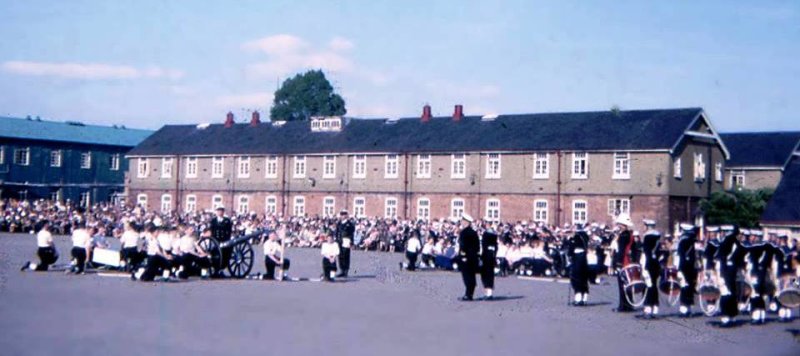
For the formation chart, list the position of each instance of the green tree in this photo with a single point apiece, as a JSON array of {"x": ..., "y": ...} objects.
[
  {"x": 741, "y": 207},
  {"x": 306, "y": 95}
]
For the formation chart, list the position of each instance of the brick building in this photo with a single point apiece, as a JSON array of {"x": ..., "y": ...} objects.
[
  {"x": 557, "y": 168},
  {"x": 782, "y": 215},
  {"x": 757, "y": 158}
]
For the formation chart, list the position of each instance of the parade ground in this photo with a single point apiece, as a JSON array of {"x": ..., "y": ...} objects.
[{"x": 379, "y": 310}]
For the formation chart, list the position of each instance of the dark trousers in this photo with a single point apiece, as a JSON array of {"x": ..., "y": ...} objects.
[
  {"x": 344, "y": 261},
  {"x": 427, "y": 259},
  {"x": 651, "y": 296},
  {"x": 412, "y": 260},
  {"x": 191, "y": 264},
  {"x": 760, "y": 289},
  {"x": 623, "y": 302},
  {"x": 47, "y": 256},
  {"x": 729, "y": 305},
  {"x": 79, "y": 255},
  {"x": 131, "y": 256},
  {"x": 270, "y": 266},
  {"x": 468, "y": 267},
  {"x": 327, "y": 267},
  {"x": 155, "y": 265},
  {"x": 687, "y": 293},
  {"x": 487, "y": 273},
  {"x": 225, "y": 257},
  {"x": 579, "y": 275}
]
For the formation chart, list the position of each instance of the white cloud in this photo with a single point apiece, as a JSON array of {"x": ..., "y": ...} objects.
[
  {"x": 288, "y": 54},
  {"x": 276, "y": 45},
  {"x": 340, "y": 44},
  {"x": 249, "y": 100},
  {"x": 88, "y": 71}
]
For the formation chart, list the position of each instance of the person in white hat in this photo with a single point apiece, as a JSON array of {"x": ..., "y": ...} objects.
[
  {"x": 651, "y": 269},
  {"x": 687, "y": 269},
  {"x": 622, "y": 258},
  {"x": 469, "y": 253}
]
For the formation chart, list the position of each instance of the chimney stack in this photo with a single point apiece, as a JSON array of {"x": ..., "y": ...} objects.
[
  {"x": 229, "y": 119},
  {"x": 426, "y": 113},
  {"x": 458, "y": 113},
  {"x": 256, "y": 119}
]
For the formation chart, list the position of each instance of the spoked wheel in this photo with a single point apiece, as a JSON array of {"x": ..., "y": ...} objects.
[
  {"x": 672, "y": 291},
  {"x": 635, "y": 293},
  {"x": 241, "y": 261},
  {"x": 211, "y": 247}
]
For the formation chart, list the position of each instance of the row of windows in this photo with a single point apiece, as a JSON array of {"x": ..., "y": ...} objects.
[
  {"x": 22, "y": 157},
  {"x": 423, "y": 164},
  {"x": 699, "y": 169},
  {"x": 580, "y": 208}
]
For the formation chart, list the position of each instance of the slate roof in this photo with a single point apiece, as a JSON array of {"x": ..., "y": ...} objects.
[
  {"x": 760, "y": 149},
  {"x": 602, "y": 130},
  {"x": 70, "y": 132},
  {"x": 784, "y": 207}
]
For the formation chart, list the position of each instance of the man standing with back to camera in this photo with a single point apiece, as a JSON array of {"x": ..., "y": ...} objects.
[{"x": 469, "y": 250}]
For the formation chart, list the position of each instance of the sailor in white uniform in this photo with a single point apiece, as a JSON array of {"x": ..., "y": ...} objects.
[
  {"x": 46, "y": 249},
  {"x": 330, "y": 251}
]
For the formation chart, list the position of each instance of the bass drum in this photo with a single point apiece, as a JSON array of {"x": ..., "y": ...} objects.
[
  {"x": 633, "y": 284},
  {"x": 743, "y": 297},
  {"x": 669, "y": 285},
  {"x": 789, "y": 293},
  {"x": 709, "y": 294}
]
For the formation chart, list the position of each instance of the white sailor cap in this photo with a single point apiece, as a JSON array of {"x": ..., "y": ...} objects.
[
  {"x": 467, "y": 217},
  {"x": 745, "y": 231},
  {"x": 726, "y": 228},
  {"x": 636, "y": 233},
  {"x": 756, "y": 233},
  {"x": 649, "y": 222},
  {"x": 687, "y": 227},
  {"x": 624, "y": 219},
  {"x": 712, "y": 228}
]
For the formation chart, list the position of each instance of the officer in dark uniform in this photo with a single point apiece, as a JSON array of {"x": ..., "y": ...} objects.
[
  {"x": 488, "y": 261},
  {"x": 345, "y": 230},
  {"x": 687, "y": 269},
  {"x": 577, "y": 249},
  {"x": 730, "y": 258},
  {"x": 651, "y": 268},
  {"x": 469, "y": 246},
  {"x": 221, "y": 230},
  {"x": 622, "y": 258},
  {"x": 711, "y": 247},
  {"x": 759, "y": 261}
]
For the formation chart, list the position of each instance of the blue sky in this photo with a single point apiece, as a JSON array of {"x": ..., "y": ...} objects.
[{"x": 149, "y": 63}]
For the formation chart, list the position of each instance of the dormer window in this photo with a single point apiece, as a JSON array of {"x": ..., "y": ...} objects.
[{"x": 326, "y": 124}]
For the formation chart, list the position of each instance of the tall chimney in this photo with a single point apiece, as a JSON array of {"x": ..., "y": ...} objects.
[
  {"x": 458, "y": 113},
  {"x": 256, "y": 119},
  {"x": 229, "y": 119},
  {"x": 426, "y": 113}
]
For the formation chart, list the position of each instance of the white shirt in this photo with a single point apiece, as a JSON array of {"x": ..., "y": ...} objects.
[
  {"x": 427, "y": 249},
  {"x": 165, "y": 241},
  {"x": 187, "y": 244},
  {"x": 330, "y": 249},
  {"x": 176, "y": 245},
  {"x": 129, "y": 239},
  {"x": 152, "y": 246},
  {"x": 272, "y": 248},
  {"x": 80, "y": 238},
  {"x": 502, "y": 250},
  {"x": 44, "y": 238},
  {"x": 413, "y": 245}
]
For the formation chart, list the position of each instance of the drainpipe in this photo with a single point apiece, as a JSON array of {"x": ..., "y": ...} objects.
[
  {"x": 558, "y": 189},
  {"x": 177, "y": 183},
  {"x": 405, "y": 188},
  {"x": 283, "y": 185}
]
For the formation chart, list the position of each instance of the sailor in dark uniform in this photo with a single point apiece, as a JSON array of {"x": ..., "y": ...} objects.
[
  {"x": 730, "y": 258},
  {"x": 221, "y": 230},
  {"x": 345, "y": 230},
  {"x": 759, "y": 261},
  {"x": 687, "y": 270},
  {"x": 785, "y": 271},
  {"x": 711, "y": 247},
  {"x": 577, "y": 250},
  {"x": 622, "y": 258},
  {"x": 488, "y": 261},
  {"x": 469, "y": 246},
  {"x": 651, "y": 269}
]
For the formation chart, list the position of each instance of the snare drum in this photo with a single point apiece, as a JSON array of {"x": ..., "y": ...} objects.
[
  {"x": 789, "y": 293},
  {"x": 669, "y": 283},
  {"x": 633, "y": 284},
  {"x": 106, "y": 257},
  {"x": 631, "y": 274}
]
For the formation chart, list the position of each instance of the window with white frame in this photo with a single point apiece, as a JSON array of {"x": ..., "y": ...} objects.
[
  {"x": 191, "y": 203},
  {"x": 677, "y": 168},
  {"x": 166, "y": 203},
  {"x": 737, "y": 179},
  {"x": 699, "y": 167},
  {"x": 142, "y": 168},
  {"x": 299, "y": 208},
  {"x": 216, "y": 202},
  {"x": 141, "y": 200},
  {"x": 55, "y": 158},
  {"x": 271, "y": 169},
  {"x": 458, "y": 166},
  {"x": 86, "y": 160},
  {"x": 328, "y": 206},
  {"x": 619, "y": 206},
  {"x": 718, "y": 175},
  {"x": 540, "y": 211},
  {"x": 329, "y": 167},
  {"x": 423, "y": 208},
  {"x": 113, "y": 162},
  {"x": 493, "y": 168},
  {"x": 541, "y": 163},
  {"x": 243, "y": 206},
  {"x": 457, "y": 208},
  {"x": 360, "y": 207},
  {"x": 2, "y": 154},
  {"x": 299, "y": 167},
  {"x": 391, "y": 166},
  {"x": 191, "y": 167},
  {"x": 493, "y": 210},
  {"x": 580, "y": 165},
  {"x": 85, "y": 198},
  {"x": 22, "y": 156},
  {"x": 360, "y": 166},
  {"x": 424, "y": 166},
  {"x": 580, "y": 212},
  {"x": 622, "y": 165},
  {"x": 390, "y": 209},
  {"x": 271, "y": 205},
  {"x": 217, "y": 167},
  {"x": 244, "y": 167},
  {"x": 166, "y": 167}
]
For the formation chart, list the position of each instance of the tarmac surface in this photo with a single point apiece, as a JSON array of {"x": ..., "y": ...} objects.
[{"x": 379, "y": 310}]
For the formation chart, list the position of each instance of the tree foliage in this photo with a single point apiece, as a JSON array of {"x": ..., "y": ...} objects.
[
  {"x": 306, "y": 95},
  {"x": 742, "y": 207}
]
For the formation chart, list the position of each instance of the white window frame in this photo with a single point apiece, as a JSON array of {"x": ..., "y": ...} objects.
[
  {"x": 540, "y": 210},
  {"x": 243, "y": 170},
  {"x": 580, "y": 171},
  {"x": 738, "y": 179},
  {"x": 299, "y": 165},
  {"x": 271, "y": 204},
  {"x": 113, "y": 163},
  {"x": 85, "y": 199},
  {"x": 143, "y": 168},
  {"x": 457, "y": 208},
  {"x": 191, "y": 203},
  {"x": 2, "y": 154},
  {"x": 580, "y": 215},
  {"x": 458, "y": 166},
  {"x": 299, "y": 205},
  {"x": 359, "y": 207},
  {"x": 423, "y": 209},
  {"x": 619, "y": 206},
  {"x": 329, "y": 206},
  {"x": 166, "y": 203},
  {"x": 622, "y": 165},
  {"x": 424, "y": 164},
  {"x": 677, "y": 168},
  {"x": 217, "y": 167},
  {"x": 360, "y": 166},
  {"x": 243, "y": 205},
  {"x": 390, "y": 207},
  {"x": 55, "y": 158},
  {"x": 494, "y": 166},
  {"x": 719, "y": 174},
  {"x": 391, "y": 166},
  {"x": 699, "y": 167},
  {"x": 166, "y": 167},
  {"x": 541, "y": 166},
  {"x": 217, "y": 202},
  {"x": 328, "y": 167},
  {"x": 492, "y": 209},
  {"x": 24, "y": 155},
  {"x": 141, "y": 200},
  {"x": 191, "y": 167},
  {"x": 271, "y": 167},
  {"x": 86, "y": 160}
]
